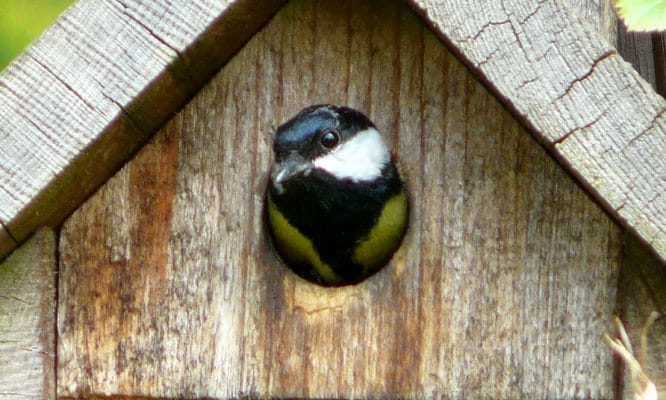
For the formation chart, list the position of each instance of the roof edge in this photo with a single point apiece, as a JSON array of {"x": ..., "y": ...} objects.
[
  {"x": 97, "y": 84},
  {"x": 580, "y": 99}
]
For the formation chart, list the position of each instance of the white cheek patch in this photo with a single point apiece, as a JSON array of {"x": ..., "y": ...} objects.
[{"x": 360, "y": 158}]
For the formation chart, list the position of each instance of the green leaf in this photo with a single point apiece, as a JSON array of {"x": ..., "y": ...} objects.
[{"x": 643, "y": 15}]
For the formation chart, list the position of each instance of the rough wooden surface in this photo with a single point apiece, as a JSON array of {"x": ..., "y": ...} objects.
[
  {"x": 659, "y": 46},
  {"x": 636, "y": 48},
  {"x": 601, "y": 120},
  {"x": 642, "y": 284},
  {"x": 642, "y": 290},
  {"x": 27, "y": 320},
  {"x": 599, "y": 15},
  {"x": 503, "y": 286},
  {"x": 102, "y": 79}
]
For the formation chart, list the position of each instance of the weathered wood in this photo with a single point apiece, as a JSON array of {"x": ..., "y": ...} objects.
[
  {"x": 636, "y": 48},
  {"x": 100, "y": 81},
  {"x": 599, "y": 118},
  {"x": 503, "y": 286},
  {"x": 126, "y": 87},
  {"x": 27, "y": 320},
  {"x": 659, "y": 46},
  {"x": 642, "y": 284},
  {"x": 642, "y": 291},
  {"x": 601, "y": 17}
]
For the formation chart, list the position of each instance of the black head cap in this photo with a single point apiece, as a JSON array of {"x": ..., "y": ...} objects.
[{"x": 303, "y": 132}]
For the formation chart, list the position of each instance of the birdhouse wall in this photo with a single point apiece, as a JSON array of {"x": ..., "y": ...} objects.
[
  {"x": 27, "y": 317},
  {"x": 502, "y": 288}
]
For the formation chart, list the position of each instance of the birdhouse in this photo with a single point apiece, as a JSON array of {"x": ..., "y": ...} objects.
[{"x": 140, "y": 134}]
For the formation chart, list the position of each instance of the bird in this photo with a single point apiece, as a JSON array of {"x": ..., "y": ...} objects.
[{"x": 336, "y": 202}]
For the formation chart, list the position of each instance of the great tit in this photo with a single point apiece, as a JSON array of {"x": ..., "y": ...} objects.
[{"x": 337, "y": 206}]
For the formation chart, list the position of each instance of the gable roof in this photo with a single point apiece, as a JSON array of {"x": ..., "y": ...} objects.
[{"x": 105, "y": 77}]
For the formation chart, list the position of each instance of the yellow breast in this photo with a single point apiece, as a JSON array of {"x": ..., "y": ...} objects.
[
  {"x": 376, "y": 248},
  {"x": 295, "y": 247}
]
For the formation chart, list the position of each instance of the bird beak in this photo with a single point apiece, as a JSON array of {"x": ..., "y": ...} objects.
[{"x": 294, "y": 165}]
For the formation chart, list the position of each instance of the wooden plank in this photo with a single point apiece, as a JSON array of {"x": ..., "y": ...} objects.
[
  {"x": 642, "y": 290},
  {"x": 100, "y": 81},
  {"x": 659, "y": 46},
  {"x": 27, "y": 320},
  {"x": 504, "y": 284},
  {"x": 582, "y": 101},
  {"x": 642, "y": 285},
  {"x": 636, "y": 48},
  {"x": 600, "y": 16}
]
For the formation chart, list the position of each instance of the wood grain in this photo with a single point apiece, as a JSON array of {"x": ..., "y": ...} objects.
[
  {"x": 642, "y": 290},
  {"x": 580, "y": 99},
  {"x": 502, "y": 288},
  {"x": 600, "y": 16},
  {"x": 659, "y": 46},
  {"x": 642, "y": 286},
  {"x": 27, "y": 320},
  {"x": 636, "y": 48},
  {"x": 99, "y": 82}
]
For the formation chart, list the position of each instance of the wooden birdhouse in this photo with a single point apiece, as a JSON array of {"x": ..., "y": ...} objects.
[{"x": 139, "y": 133}]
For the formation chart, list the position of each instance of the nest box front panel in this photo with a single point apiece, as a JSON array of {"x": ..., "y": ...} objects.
[{"x": 502, "y": 287}]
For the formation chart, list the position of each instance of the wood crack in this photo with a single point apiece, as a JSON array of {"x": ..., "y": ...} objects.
[
  {"x": 596, "y": 62},
  {"x": 513, "y": 29},
  {"x": 124, "y": 111},
  {"x": 527, "y": 82},
  {"x": 152, "y": 33},
  {"x": 483, "y": 29},
  {"x": 650, "y": 126},
  {"x": 533, "y": 13},
  {"x": 581, "y": 128},
  {"x": 487, "y": 59},
  {"x": 19, "y": 300},
  {"x": 62, "y": 82}
]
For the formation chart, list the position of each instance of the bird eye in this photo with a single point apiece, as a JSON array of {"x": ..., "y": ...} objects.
[{"x": 330, "y": 138}]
